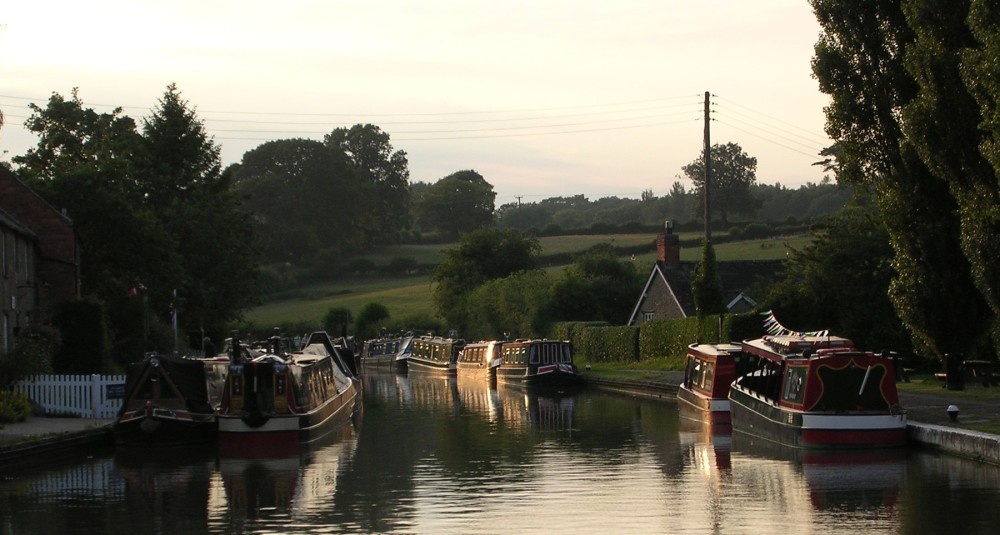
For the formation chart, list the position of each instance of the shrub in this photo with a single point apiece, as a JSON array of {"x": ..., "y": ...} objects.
[
  {"x": 14, "y": 406},
  {"x": 33, "y": 353},
  {"x": 402, "y": 265}
]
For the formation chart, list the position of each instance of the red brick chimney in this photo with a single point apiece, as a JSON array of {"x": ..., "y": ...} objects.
[{"x": 668, "y": 247}]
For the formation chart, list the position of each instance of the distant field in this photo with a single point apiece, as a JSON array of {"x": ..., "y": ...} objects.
[{"x": 407, "y": 296}]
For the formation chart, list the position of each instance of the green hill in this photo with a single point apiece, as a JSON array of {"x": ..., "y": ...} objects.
[{"x": 407, "y": 296}]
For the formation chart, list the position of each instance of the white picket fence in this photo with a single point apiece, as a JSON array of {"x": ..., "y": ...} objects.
[{"x": 88, "y": 396}]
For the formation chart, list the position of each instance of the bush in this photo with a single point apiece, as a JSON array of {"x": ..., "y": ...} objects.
[
  {"x": 84, "y": 323},
  {"x": 402, "y": 265},
  {"x": 34, "y": 350},
  {"x": 757, "y": 231},
  {"x": 14, "y": 406}
]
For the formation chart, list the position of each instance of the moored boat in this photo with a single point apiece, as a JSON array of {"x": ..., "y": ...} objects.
[
  {"x": 170, "y": 400},
  {"x": 537, "y": 363},
  {"x": 479, "y": 359},
  {"x": 434, "y": 354},
  {"x": 388, "y": 352},
  {"x": 710, "y": 370},
  {"x": 278, "y": 400},
  {"x": 815, "y": 390}
]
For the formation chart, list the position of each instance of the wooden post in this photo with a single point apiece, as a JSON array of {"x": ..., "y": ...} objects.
[{"x": 708, "y": 173}]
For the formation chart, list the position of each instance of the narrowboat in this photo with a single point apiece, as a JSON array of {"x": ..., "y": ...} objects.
[
  {"x": 537, "y": 363},
  {"x": 170, "y": 400},
  {"x": 710, "y": 370},
  {"x": 817, "y": 391},
  {"x": 388, "y": 352},
  {"x": 434, "y": 354},
  {"x": 479, "y": 359},
  {"x": 277, "y": 401}
]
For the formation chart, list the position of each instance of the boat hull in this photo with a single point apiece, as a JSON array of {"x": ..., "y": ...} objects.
[
  {"x": 281, "y": 434},
  {"x": 695, "y": 406},
  {"x": 164, "y": 427},
  {"x": 389, "y": 362},
  {"x": 762, "y": 418},
  {"x": 552, "y": 377},
  {"x": 430, "y": 367}
]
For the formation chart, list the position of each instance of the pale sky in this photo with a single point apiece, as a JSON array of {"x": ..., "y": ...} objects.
[{"x": 543, "y": 98}]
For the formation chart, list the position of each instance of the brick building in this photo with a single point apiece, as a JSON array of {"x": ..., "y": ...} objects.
[
  {"x": 667, "y": 293},
  {"x": 39, "y": 258}
]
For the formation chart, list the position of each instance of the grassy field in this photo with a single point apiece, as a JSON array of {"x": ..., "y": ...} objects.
[{"x": 406, "y": 296}]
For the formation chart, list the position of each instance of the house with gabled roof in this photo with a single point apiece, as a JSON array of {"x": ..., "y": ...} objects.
[
  {"x": 39, "y": 258},
  {"x": 667, "y": 292}
]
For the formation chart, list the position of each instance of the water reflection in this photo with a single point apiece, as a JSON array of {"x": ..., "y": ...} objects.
[{"x": 450, "y": 455}]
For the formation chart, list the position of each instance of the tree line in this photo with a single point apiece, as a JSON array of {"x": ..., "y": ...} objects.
[
  {"x": 911, "y": 114},
  {"x": 164, "y": 227}
]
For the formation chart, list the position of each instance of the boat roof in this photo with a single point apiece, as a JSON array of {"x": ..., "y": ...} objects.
[
  {"x": 780, "y": 347},
  {"x": 715, "y": 349}
]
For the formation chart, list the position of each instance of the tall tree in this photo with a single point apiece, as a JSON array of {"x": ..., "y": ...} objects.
[
  {"x": 706, "y": 288},
  {"x": 849, "y": 264},
  {"x": 181, "y": 175},
  {"x": 734, "y": 172},
  {"x": 304, "y": 197},
  {"x": 458, "y": 203},
  {"x": 480, "y": 256},
  {"x": 946, "y": 126},
  {"x": 85, "y": 163},
  {"x": 859, "y": 62},
  {"x": 517, "y": 306},
  {"x": 384, "y": 171}
]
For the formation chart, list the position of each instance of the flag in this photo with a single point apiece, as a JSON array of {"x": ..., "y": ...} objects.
[{"x": 134, "y": 290}]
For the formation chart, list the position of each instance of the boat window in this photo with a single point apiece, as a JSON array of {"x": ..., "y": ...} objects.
[
  {"x": 702, "y": 374},
  {"x": 533, "y": 355},
  {"x": 567, "y": 356},
  {"x": 795, "y": 382}
]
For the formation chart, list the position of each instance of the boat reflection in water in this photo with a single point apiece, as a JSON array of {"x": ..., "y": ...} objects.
[
  {"x": 834, "y": 482},
  {"x": 516, "y": 408},
  {"x": 257, "y": 491},
  {"x": 169, "y": 482}
]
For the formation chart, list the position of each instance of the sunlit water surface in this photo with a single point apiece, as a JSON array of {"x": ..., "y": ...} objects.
[{"x": 436, "y": 455}]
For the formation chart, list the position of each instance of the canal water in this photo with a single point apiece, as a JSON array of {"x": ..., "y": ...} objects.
[{"x": 436, "y": 455}]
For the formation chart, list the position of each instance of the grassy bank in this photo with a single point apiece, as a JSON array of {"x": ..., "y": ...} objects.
[{"x": 406, "y": 296}]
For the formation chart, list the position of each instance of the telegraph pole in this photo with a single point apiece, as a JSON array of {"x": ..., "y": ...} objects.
[{"x": 708, "y": 173}]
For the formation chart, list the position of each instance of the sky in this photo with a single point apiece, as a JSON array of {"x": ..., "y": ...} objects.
[{"x": 543, "y": 98}]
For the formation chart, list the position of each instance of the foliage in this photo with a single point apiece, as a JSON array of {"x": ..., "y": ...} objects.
[
  {"x": 384, "y": 176},
  {"x": 83, "y": 322},
  {"x": 706, "y": 287},
  {"x": 841, "y": 281},
  {"x": 337, "y": 320},
  {"x": 861, "y": 62},
  {"x": 33, "y": 352},
  {"x": 151, "y": 208},
  {"x": 304, "y": 197},
  {"x": 516, "y": 306},
  {"x": 402, "y": 265},
  {"x": 956, "y": 75},
  {"x": 734, "y": 173},
  {"x": 370, "y": 318},
  {"x": 14, "y": 406},
  {"x": 566, "y": 330},
  {"x": 597, "y": 287},
  {"x": 607, "y": 344},
  {"x": 457, "y": 204},
  {"x": 481, "y": 256},
  {"x": 670, "y": 338},
  {"x": 417, "y": 323}
]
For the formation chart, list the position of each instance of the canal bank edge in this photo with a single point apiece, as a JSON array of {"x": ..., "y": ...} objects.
[
  {"x": 982, "y": 447},
  {"x": 43, "y": 439},
  {"x": 40, "y": 440}
]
